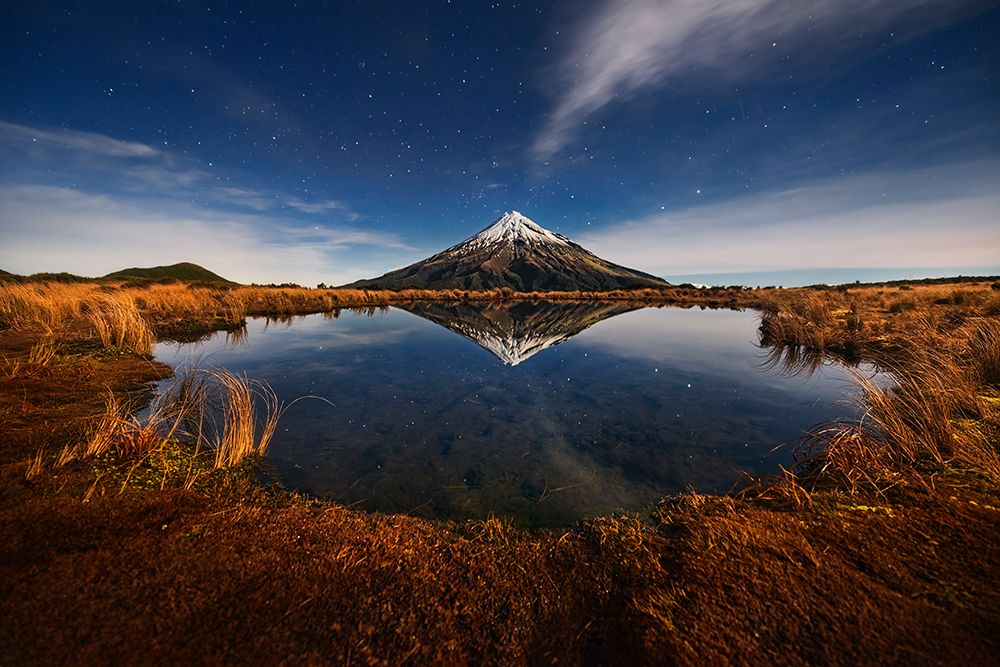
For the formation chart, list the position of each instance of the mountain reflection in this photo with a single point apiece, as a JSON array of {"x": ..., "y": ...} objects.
[{"x": 516, "y": 330}]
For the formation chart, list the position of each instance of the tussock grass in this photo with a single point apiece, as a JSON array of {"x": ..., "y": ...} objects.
[
  {"x": 44, "y": 306},
  {"x": 42, "y": 354},
  {"x": 119, "y": 324},
  {"x": 66, "y": 455},
  {"x": 106, "y": 434},
  {"x": 205, "y": 421},
  {"x": 806, "y": 322},
  {"x": 250, "y": 414},
  {"x": 232, "y": 415},
  {"x": 984, "y": 350},
  {"x": 932, "y": 414}
]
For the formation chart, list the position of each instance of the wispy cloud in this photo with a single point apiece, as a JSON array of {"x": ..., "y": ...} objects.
[
  {"x": 137, "y": 168},
  {"x": 48, "y": 228},
  {"x": 317, "y": 206},
  {"x": 24, "y": 137},
  {"x": 946, "y": 216},
  {"x": 337, "y": 237},
  {"x": 634, "y": 45},
  {"x": 244, "y": 197}
]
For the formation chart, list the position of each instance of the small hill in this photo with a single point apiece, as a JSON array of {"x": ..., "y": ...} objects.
[
  {"x": 185, "y": 271},
  {"x": 5, "y": 273},
  {"x": 517, "y": 253}
]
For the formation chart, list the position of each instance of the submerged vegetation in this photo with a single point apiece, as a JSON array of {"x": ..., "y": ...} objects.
[{"x": 889, "y": 521}]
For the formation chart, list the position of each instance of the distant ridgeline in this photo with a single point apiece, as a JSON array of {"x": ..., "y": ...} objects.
[{"x": 184, "y": 272}]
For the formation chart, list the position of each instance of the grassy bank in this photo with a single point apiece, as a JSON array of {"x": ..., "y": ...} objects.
[{"x": 148, "y": 540}]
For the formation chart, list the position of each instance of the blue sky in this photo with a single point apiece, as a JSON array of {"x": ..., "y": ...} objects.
[{"x": 759, "y": 141}]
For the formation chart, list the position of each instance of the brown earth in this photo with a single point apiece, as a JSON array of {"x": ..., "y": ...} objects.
[{"x": 94, "y": 570}]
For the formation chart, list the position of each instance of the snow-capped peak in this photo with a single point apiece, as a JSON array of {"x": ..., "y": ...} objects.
[{"x": 514, "y": 227}]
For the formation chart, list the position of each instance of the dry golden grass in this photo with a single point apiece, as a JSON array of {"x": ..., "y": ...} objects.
[
  {"x": 42, "y": 353},
  {"x": 234, "y": 416},
  {"x": 935, "y": 407},
  {"x": 44, "y": 306},
  {"x": 66, "y": 455},
  {"x": 35, "y": 465},
  {"x": 119, "y": 324},
  {"x": 984, "y": 350},
  {"x": 933, "y": 412},
  {"x": 497, "y": 530},
  {"x": 105, "y": 435},
  {"x": 783, "y": 490},
  {"x": 203, "y": 421},
  {"x": 179, "y": 308},
  {"x": 250, "y": 414}
]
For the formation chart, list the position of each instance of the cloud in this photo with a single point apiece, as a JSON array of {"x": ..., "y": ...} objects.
[
  {"x": 633, "y": 45},
  {"x": 86, "y": 142},
  {"x": 946, "y": 216},
  {"x": 47, "y": 228},
  {"x": 136, "y": 168},
  {"x": 315, "y": 207},
  {"x": 243, "y": 197},
  {"x": 338, "y": 237}
]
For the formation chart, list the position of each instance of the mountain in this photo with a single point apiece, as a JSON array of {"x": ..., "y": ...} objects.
[
  {"x": 515, "y": 331},
  {"x": 514, "y": 252},
  {"x": 185, "y": 271}
]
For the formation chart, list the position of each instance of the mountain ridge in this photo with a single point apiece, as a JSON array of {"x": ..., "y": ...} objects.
[{"x": 514, "y": 252}]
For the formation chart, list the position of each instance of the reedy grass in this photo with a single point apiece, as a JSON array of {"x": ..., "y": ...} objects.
[
  {"x": 984, "y": 350},
  {"x": 41, "y": 356},
  {"x": 932, "y": 414},
  {"x": 44, "y": 306},
  {"x": 35, "y": 465},
  {"x": 250, "y": 414},
  {"x": 42, "y": 353},
  {"x": 119, "y": 324},
  {"x": 232, "y": 415}
]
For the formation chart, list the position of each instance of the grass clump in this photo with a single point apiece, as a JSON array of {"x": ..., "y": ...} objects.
[
  {"x": 205, "y": 421},
  {"x": 250, "y": 414},
  {"x": 932, "y": 415},
  {"x": 42, "y": 306},
  {"x": 119, "y": 325},
  {"x": 984, "y": 351}
]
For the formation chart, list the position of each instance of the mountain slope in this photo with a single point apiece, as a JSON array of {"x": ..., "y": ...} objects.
[
  {"x": 185, "y": 271},
  {"x": 514, "y": 252}
]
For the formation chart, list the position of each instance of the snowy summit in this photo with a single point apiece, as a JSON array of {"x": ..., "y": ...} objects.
[{"x": 514, "y": 227}]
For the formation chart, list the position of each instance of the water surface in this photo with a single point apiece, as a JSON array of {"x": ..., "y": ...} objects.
[{"x": 546, "y": 413}]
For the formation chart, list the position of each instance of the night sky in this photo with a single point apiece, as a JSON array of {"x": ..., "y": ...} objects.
[{"x": 774, "y": 141}]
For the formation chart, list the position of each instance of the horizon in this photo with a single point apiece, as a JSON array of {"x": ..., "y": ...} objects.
[
  {"x": 763, "y": 140},
  {"x": 830, "y": 276}
]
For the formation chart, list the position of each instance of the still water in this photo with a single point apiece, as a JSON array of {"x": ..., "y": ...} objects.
[{"x": 543, "y": 412}]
